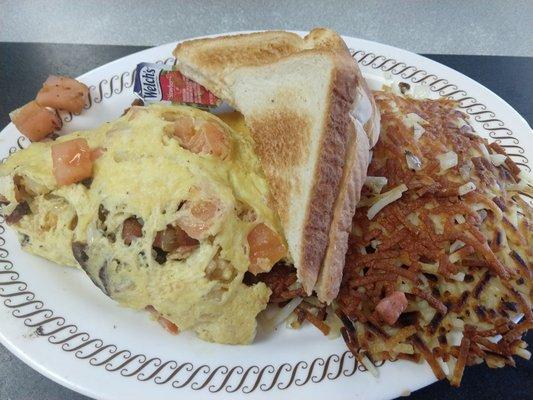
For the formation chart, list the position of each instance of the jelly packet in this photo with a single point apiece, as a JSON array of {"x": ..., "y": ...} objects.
[{"x": 160, "y": 83}]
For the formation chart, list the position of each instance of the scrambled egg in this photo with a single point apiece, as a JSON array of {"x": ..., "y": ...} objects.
[{"x": 146, "y": 175}]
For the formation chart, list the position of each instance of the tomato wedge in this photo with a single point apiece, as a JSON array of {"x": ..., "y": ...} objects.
[
  {"x": 63, "y": 93},
  {"x": 266, "y": 248},
  {"x": 35, "y": 122},
  {"x": 211, "y": 139},
  {"x": 208, "y": 138},
  {"x": 197, "y": 217},
  {"x": 71, "y": 161}
]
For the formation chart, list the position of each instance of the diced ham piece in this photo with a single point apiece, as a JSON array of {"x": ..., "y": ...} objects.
[
  {"x": 63, "y": 93},
  {"x": 199, "y": 218},
  {"x": 390, "y": 307},
  {"x": 208, "y": 138},
  {"x": 131, "y": 228},
  {"x": 35, "y": 122},
  {"x": 266, "y": 248},
  {"x": 71, "y": 161}
]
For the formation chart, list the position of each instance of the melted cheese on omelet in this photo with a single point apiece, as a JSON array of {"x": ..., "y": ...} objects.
[{"x": 146, "y": 174}]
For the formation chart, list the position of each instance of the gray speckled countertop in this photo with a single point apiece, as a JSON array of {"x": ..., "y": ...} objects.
[{"x": 446, "y": 26}]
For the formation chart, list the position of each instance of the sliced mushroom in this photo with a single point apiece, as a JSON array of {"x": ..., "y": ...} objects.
[
  {"x": 20, "y": 211},
  {"x": 79, "y": 251}
]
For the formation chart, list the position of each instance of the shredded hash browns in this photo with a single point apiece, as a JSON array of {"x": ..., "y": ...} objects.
[{"x": 457, "y": 243}]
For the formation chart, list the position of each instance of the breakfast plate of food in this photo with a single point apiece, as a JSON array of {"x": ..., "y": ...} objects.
[{"x": 261, "y": 214}]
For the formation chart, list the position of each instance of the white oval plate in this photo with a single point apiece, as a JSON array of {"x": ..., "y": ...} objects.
[{"x": 60, "y": 324}]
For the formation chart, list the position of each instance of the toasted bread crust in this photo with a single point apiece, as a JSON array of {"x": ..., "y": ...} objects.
[
  {"x": 282, "y": 139},
  {"x": 257, "y": 48},
  {"x": 325, "y": 39},
  {"x": 218, "y": 56},
  {"x": 248, "y": 50},
  {"x": 254, "y": 48},
  {"x": 356, "y": 165},
  {"x": 328, "y": 170}
]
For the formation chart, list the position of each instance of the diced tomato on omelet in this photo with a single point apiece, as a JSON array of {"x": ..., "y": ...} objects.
[
  {"x": 71, "y": 161},
  {"x": 266, "y": 248},
  {"x": 35, "y": 122},
  {"x": 208, "y": 138},
  {"x": 63, "y": 93},
  {"x": 211, "y": 139},
  {"x": 197, "y": 217}
]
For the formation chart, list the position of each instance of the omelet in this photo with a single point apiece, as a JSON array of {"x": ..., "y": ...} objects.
[{"x": 175, "y": 212}]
